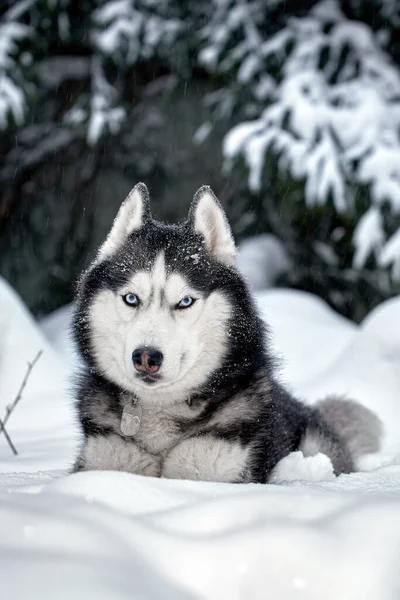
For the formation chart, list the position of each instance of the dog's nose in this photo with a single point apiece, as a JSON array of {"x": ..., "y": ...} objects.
[{"x": 147, "y": 360}]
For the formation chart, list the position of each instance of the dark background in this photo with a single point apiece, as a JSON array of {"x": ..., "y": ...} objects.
[{"x": 60, "y": 190}]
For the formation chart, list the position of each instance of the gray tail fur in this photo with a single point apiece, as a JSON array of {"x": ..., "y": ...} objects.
[
  {"x": 343, "y": 430},
  {"x": 359, "y": 428}
]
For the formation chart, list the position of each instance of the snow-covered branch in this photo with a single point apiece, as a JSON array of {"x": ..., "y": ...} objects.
[
  {"x": 12, "y": 83},
  {"x": 324, "y": 103}
]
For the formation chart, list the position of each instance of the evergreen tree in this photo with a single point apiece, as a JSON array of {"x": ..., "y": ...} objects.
[
  {"x": 81, "y": 84},
  {"x": 46, "y": 45},
  {"x": 310, "y": 91},
  {"x": 318, "y": 113}
]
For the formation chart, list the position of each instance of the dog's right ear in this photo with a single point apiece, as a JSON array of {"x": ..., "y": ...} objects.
[{"x": 134, "y": 212}]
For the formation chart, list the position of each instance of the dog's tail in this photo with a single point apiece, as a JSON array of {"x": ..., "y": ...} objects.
[
  {"x": 356, "y": 431},
  {"x": 360, "y": 428}
]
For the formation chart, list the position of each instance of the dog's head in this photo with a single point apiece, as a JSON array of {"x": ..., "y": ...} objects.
[{"x": 162, "y": 305}]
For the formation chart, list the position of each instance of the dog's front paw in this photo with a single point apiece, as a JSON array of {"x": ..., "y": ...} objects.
[
  {"x": 206, "y": 458},
  {"x": 114, "y": 453}
]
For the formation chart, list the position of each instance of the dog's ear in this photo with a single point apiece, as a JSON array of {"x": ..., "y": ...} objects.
[
  {"x": 209, "y": 220},
  {"x": 134, "y": 212}
]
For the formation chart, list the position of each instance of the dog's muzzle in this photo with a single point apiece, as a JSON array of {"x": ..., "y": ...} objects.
[{"x": 147, "y": 361}]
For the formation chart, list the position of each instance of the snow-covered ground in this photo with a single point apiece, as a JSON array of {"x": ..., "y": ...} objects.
[{"x": 120, "y": 536}]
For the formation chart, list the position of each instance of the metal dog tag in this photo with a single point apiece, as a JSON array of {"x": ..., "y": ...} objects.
[{"x": 130, "y": 420}]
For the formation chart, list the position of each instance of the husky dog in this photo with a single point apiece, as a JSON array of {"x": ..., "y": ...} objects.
[{"x": 178, "y": 381}]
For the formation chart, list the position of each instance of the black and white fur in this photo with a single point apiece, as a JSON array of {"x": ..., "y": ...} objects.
[{"x": 215, "y": 410}]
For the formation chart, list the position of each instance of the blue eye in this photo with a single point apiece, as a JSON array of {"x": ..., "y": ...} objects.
[
  {"x": 131, "y": 300},
  {"x": 186, "y": 302}
]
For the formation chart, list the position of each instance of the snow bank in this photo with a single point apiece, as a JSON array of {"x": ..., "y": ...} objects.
[
  {"x": 121, "y": 536},
  {"x": 42, "y": 426},
  {"x": 262, "y": 259},
  {"x": 116, "y": 535},
  {"x": 56, "y": 328}
]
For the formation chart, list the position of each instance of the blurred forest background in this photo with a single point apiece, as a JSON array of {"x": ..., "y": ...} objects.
[{"x": 289, "y": 109}]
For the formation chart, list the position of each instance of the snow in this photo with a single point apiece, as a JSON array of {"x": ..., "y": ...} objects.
[
  {"x": 121, "y": 536},
  {"x": 142, "y": 27},
  {"x": 262, "y": 259},
  {"x": 295, "y": 467},
  {"x": 102, "y": 115},
  {"x": 368, "y": 236},
  {"x": 12, "y": 99},
  {"x": 42, "y": 430},
  {"x": 202, "y": 133},
  {"x": 57, "y": 69},
  {"x": 391, "y": 255},
  {"x": 329, "y": 114}
]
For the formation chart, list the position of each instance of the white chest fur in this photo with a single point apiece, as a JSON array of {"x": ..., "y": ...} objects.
[
  {"x": 159, "y": 429},
  {"x": 158, "y": 447}
]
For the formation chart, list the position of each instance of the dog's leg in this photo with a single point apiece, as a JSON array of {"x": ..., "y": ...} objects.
[
  {"x": 207, "y": 458},
  {"x": 114, "y": 453}
]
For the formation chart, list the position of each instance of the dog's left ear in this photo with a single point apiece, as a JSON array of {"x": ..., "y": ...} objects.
[
  {"x": 209, "y": 220},
  {"x": 134, "y": 212}
]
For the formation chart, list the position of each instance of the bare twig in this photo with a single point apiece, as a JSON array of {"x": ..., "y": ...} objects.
[
  {"x": 11, "y": 408},
  {"x": 6, "y": 435}
]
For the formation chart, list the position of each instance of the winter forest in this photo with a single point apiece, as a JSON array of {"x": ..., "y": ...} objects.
[{"x": 290, "y": 111}]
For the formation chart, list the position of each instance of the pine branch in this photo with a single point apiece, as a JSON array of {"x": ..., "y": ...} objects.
[{"x": 12, "y": 407}]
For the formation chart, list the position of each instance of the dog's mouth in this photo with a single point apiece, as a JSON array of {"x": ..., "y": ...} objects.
[
  {"x": 148, "y": 378},
  {"x": 160, "y": 380},
  {"x": 155, "y": 380}
]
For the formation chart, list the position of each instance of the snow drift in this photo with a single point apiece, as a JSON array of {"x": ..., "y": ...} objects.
[{"x": 116, "y": 535}]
